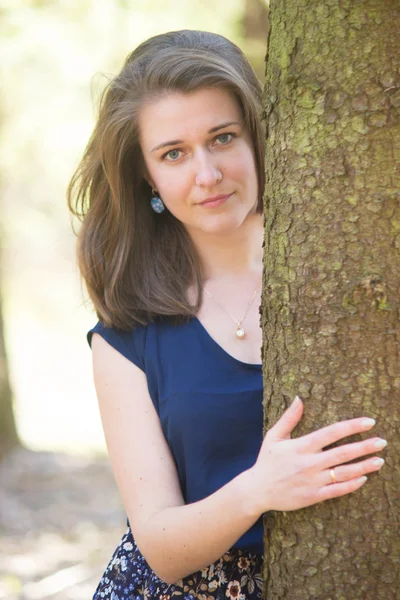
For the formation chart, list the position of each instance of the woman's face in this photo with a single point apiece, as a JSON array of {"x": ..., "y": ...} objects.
[{"x": 195, "y": 148}]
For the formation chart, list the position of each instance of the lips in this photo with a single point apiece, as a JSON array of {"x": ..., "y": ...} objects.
[{"x": 215, "y": 199}]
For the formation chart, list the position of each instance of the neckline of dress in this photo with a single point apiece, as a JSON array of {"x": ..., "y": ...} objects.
[{"x": 222, "y": 350}]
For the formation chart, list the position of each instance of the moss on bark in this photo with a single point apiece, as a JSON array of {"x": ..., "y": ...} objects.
[{"x": 331, "y": 308}]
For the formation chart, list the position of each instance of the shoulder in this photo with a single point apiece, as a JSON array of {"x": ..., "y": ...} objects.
[
  {"x": 162, "y": 350},
  {"x": 130, "y": 343},
  {"x": 142, "y": 343}
]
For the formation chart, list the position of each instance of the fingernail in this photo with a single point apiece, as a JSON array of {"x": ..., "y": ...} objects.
[
  {"x": 368, "y": 422},
  {"x": 378, "y": 462},
  {"x": 296, "y": 401},
  {"x": 362, "y": 479},
  {"x": 380, "y": 444}
]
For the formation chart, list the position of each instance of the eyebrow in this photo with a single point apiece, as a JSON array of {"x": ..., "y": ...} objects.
[{"x": 212, "y": 130}]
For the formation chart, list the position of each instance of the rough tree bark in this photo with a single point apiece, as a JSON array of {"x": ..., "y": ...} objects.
[{"x": 331, "y": 311}]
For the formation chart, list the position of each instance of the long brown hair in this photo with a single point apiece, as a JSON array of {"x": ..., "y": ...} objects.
[{"x": 136, "y": 264}]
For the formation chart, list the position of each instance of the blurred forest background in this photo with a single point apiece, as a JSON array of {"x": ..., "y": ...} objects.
[{"x": 56, "y": 57}]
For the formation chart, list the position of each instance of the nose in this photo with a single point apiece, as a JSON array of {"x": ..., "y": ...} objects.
[{"x": 207, "y": 171}]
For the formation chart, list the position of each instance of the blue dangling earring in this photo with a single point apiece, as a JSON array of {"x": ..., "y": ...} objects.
[{"x": 156, "y": 203}]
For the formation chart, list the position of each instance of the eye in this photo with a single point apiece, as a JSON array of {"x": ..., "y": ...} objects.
[
  {"x": 225, "y": 138},
  {"x": 172, "y": 155}
]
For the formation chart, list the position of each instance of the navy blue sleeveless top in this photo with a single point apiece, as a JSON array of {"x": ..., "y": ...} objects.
[{"x": 209, "y": 404}]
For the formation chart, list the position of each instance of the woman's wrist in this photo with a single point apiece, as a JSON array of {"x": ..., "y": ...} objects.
[{"x": 249, "y": 487}]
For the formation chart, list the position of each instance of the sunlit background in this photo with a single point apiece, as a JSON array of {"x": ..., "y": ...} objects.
[{"x": 56, "y": 57}]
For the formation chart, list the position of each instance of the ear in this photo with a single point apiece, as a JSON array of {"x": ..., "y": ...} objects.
[
  {"x": 149, "y": 181},
  {"x": 146, "y": 177}
]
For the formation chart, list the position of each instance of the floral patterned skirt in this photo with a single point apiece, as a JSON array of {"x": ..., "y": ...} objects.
[{"x": 236, "y": 575}]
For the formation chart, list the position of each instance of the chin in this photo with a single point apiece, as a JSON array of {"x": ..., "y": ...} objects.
[{"x": 223, "y": 224}]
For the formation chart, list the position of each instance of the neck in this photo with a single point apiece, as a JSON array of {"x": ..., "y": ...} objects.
[{"x": 234, "y": 256}]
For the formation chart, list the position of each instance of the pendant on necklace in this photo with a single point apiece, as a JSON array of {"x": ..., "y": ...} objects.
[{"x": 240, "y": 333}]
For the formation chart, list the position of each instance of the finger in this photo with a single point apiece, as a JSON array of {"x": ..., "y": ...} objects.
[
  {"x": 353, "y": 471},
  {"x": 334, "y": 490},
  {"x": 288, "y": 421},
  {"x": 347, "y": 452},
  {"x": 333, "y": 433}
]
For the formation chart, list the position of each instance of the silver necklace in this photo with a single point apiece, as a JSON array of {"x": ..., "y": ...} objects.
[{"x": 240, "y": 332}]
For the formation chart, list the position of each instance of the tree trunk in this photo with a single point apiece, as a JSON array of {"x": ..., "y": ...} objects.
[
  {"x": 331, "y": 306},
  {"x": 254, "y": 29},
  {"x": 8, "y": 431}
]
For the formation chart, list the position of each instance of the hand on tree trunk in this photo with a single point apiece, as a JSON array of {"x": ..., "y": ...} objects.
[{"x": 290, "y": 474}]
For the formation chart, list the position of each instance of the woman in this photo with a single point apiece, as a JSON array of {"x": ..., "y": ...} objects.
[{"x": 170, "y": 188}]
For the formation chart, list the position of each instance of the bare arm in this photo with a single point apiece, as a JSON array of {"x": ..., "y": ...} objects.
[
  {"x": 176, "y": 539},
  {"x": 188, "y": 538}
]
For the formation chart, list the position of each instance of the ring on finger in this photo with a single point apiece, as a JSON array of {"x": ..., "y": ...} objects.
[{"x": 333, "y": 476}]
